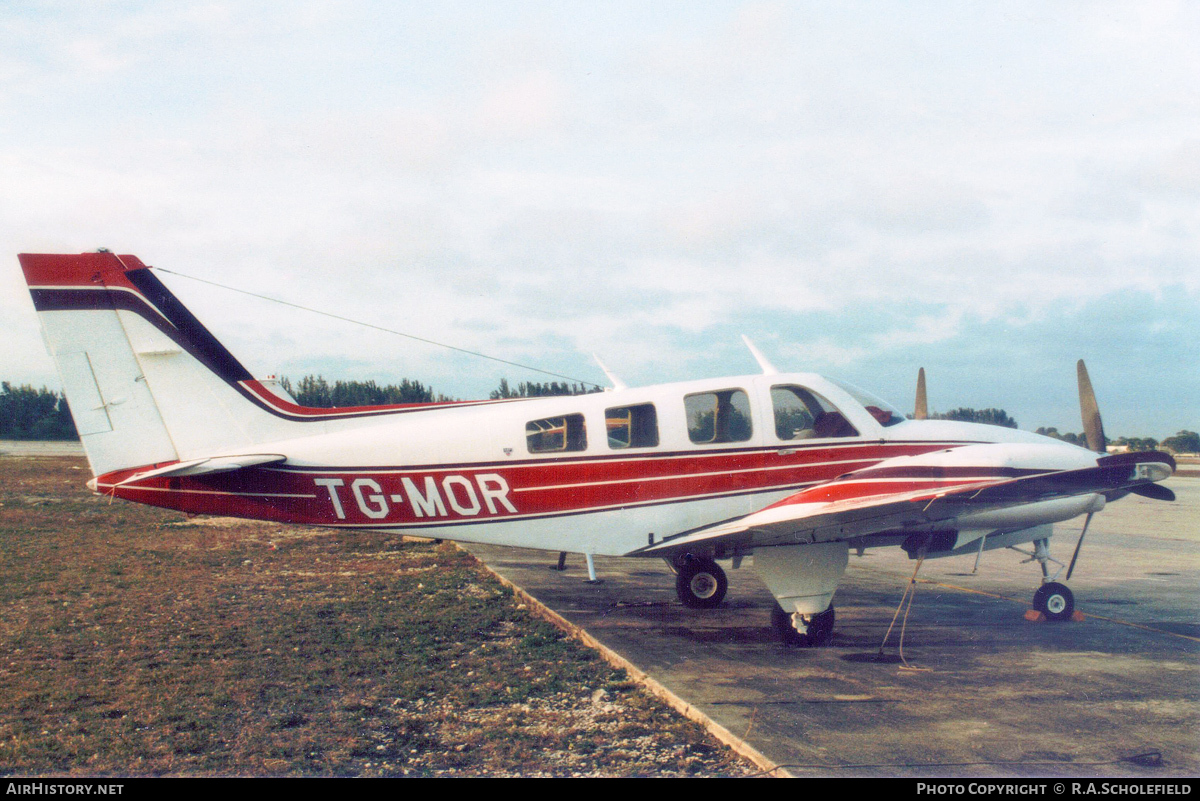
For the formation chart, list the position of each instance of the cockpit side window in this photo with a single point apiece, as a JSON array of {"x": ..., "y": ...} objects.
[
  {"x": 722, "y": 416},
  {"x": 803, "y": 414}
]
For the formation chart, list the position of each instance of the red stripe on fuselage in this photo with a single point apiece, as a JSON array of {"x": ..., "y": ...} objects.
[{"x": 458, "y": 494}]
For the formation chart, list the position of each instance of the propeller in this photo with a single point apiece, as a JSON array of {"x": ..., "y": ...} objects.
[
  {"x": 921, "y": 409},
  {"x": 1093, "y": 432},
  {"x": 1154, "y": 491},
  {"x": 1093, "y": 428}
]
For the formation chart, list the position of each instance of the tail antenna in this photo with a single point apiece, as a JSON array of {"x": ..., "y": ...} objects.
[
  {"x": 617, "y": 383},
  {"x": 764, "y": 365}
]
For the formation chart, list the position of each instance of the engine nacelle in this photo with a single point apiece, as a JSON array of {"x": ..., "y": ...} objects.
[{"x": 1033, "y": 514}]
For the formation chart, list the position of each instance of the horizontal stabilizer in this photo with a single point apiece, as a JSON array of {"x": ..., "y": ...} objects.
[{"x": 215, "y": 464}]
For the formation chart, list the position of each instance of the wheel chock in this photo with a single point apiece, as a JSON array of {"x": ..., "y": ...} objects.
[{"x": 1034, "y": 616}]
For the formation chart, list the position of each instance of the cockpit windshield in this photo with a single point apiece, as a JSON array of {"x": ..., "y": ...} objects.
[{"x": 881, "y": 410}]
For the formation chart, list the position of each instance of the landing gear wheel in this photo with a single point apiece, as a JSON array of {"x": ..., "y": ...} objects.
[
  {"x": 1054, "y": 601},
  {"x": 700, "y": 583},
  {"x": 817, "y": 628}
]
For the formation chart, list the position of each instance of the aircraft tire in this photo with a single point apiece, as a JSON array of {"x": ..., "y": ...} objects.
[
  {"x": 820, "y": 628},
  {"x": 1055, "y": 601},
  {"x": 700, "y": 583}
]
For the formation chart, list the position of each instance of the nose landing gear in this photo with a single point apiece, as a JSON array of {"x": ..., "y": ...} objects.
[{"x": 1053, "y": 599}]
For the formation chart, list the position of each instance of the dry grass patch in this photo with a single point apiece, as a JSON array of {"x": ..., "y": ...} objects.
[{"x": 135, "y": 641}]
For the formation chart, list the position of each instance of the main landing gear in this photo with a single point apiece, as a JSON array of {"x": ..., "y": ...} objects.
[
  {"x": 1053, "y": 599},
  {"x": 802, "y": 631},
  {"x": 700, "y": 582}
]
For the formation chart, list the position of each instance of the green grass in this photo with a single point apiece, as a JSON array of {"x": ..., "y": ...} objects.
[{"x": 134, "y": 641}]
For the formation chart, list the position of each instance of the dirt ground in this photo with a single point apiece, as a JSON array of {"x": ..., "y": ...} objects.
[{"x": 137, "y": 641}]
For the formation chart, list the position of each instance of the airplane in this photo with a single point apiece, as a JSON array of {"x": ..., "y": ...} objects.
[{"x": 792, "y": 469}]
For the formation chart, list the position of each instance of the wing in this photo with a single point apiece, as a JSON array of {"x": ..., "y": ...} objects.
[{"x": 915, "y": 494}]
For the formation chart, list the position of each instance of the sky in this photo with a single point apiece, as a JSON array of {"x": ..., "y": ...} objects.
[{"x": 990, "y": 191}]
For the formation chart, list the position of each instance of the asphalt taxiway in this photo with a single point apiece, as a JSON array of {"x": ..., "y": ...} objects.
[{"x": 981, "y": 690}]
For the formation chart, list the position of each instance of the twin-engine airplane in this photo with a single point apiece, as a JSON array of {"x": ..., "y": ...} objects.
[{"x": 793, "y": 468}]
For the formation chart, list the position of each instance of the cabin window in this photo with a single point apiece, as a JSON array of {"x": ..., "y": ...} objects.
[
  {"x": 803, "y": 414},
  {"x": 722, "y": 416},
  {"x": 632, "y": 426},
  {"x": 565, "y": 433}
]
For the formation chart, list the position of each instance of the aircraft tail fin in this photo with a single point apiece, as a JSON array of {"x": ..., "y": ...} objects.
[{"x": 146, "y": 382}]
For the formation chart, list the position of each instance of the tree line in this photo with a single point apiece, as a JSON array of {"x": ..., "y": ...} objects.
[
  {"x": 315, "y": 391},
  {"x": 42, "y": 414},
  {"x": 992, "y": 417},
  {"x": 1183, "y": 442},
  {"x": 533, "y": 389}
]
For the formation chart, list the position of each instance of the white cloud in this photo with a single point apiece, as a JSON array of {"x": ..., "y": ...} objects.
[
  {"x": 524, "y": 106},
  {"x": 529, "y": 179}
]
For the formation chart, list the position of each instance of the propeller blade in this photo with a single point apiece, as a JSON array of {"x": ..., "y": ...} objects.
[
  {"x": 1093, "y": 428},
  {"x": 1155, "y": 491},
  {"x": 1079, "y": 544},
  {"x": 921, "y": 410}
]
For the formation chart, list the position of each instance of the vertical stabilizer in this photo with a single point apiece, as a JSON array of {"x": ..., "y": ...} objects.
[
  {"x": 147, "y": 383},
  {"x": 79, "y": 300}
]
